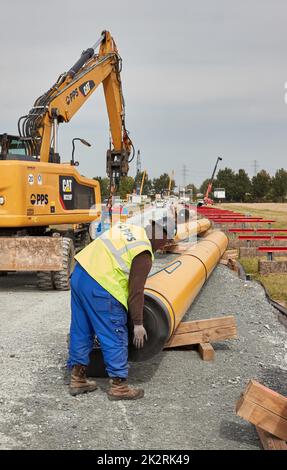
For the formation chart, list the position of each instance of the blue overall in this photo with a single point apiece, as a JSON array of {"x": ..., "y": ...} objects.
[{"x": 96, "y": 312}]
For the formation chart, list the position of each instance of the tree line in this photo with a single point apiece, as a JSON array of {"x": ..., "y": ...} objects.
[
  {"x": 239, "y": 187},
  {"x": 129, "y": 184}
]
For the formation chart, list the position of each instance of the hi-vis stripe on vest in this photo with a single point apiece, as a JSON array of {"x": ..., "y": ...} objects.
[{"x": 108, "y": 259}]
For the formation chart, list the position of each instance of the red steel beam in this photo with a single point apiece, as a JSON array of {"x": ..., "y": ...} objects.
[
  {"x": 270, "y": 249},
  {"x": 261, "y": 230},
  {"x": 271, "y": 230},
  {"x": 240, "y": 221},
  {"x": 240, "y": 230},
  {"x": 224, "y": 217},
  {"x": 255, "y": 237}
]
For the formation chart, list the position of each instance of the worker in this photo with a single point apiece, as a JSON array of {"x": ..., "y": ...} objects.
[{"x": 107, "y": 284}]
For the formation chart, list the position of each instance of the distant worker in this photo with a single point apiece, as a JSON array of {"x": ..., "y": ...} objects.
[{"x": 107, "y": 283}]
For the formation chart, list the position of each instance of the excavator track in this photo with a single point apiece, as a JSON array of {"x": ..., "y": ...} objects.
[
  {"x": 45, "y": 280},
  {"x": 61, "y": 278}
]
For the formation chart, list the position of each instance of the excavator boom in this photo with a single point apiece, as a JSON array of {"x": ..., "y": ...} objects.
[
  {"x": 46, "y": 207},
  {"x": 70, "y": 92}
]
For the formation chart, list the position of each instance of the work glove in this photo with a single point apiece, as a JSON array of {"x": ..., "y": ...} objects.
[{"x": 140, "y": 335}]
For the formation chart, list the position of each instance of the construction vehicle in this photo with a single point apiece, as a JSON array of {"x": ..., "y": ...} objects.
[
  {"x": 207, "y": 200},
  {"x": 46, "y": 206}
]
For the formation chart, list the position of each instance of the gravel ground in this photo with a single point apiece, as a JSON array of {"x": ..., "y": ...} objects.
[{"x": 188, "y": 404}]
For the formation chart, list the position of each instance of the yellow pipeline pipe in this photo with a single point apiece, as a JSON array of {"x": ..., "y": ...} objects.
[
  {"x": 188, "y": 229},
  {"x": 170, "y": 292}
]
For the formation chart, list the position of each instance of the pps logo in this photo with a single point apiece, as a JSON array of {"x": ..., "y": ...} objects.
[
  {"x": 39, "y": 199},
  {"x": 72, "y": 96}
]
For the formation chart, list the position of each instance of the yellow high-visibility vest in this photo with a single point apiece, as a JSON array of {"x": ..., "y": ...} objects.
[{"x": 108, "y": 259}]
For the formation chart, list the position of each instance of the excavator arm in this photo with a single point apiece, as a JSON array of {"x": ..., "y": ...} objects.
[{"x": 67, "y": 96}]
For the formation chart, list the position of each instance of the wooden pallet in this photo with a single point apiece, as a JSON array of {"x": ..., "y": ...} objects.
[
  {"x": 201, "y": 333},
  {"x": 267, "y": 410}
]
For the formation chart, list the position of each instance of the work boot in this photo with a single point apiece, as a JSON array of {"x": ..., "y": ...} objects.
[
  {"x": 79, "y": 382},
  {"x": 120, "y": 390}
]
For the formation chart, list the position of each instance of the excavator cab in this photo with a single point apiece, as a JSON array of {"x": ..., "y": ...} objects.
[{"x": 15, "y": 148}]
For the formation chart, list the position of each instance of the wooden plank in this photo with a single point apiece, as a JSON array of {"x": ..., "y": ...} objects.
[
  {"x": 199, "y": 325},
  {"x": 270, "y": 442},
  {"x": 206, "y": 351},
  {"x": 267, "y": 398},
  {"x": 233, "y": 254},
  {"x": 203, "y": 336},
  {"x": 262, "y": 417},
  {"x": 231, "y": 263},
  {"x": 224, "y": 262}
]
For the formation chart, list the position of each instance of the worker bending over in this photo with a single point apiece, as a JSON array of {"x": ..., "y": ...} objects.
[{"x": 107, "y": 283}]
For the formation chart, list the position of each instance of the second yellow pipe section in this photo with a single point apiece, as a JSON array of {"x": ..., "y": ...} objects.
[
  {"x": 170, "y": 292},
  {"x": 189, "y": 229}
]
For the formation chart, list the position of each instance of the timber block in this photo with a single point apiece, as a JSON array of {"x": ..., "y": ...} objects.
[
  {"x": 230, "y": 254},
  {"x": 264, "y": 408},
  {"x": 206, "y": 351},
  {"x": 270, "y": 442},
  {"x": 202, "y": 333}
]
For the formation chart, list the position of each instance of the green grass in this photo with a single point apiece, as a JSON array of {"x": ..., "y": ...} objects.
[
  {"x": 275, "y": 284},
  {"x": 280, "y": 217},
  {"x": 250, "y": 265}
]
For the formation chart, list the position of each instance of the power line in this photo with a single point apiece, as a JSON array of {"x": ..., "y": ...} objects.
[
  {"x": 255, "y": 167},
  {"x": 184, "y": 174}
]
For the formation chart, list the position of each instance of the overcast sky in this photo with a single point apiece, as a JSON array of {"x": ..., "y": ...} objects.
[{"x": 200, "y": 79}]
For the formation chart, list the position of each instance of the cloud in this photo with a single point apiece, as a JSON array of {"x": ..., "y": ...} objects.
[{"x": 200, "y": 78}]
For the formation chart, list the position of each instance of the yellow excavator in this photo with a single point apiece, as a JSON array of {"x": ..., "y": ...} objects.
[{"x": 46, "y": 206}]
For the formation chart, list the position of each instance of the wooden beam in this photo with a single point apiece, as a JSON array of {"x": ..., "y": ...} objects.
[
  {"x": 199, "y": 325},
  {"x": 233, "y": 253},
  {"x": 206, "y": 351},
  {"x": 267, "y": 398},
  {"x": 270, "y": 442},
  {"x": 264, "y": 408},
  {"x": 205, "y": 336},
  {"x": 224, "y": 262},
  {"x": 203, "y": 331}
]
